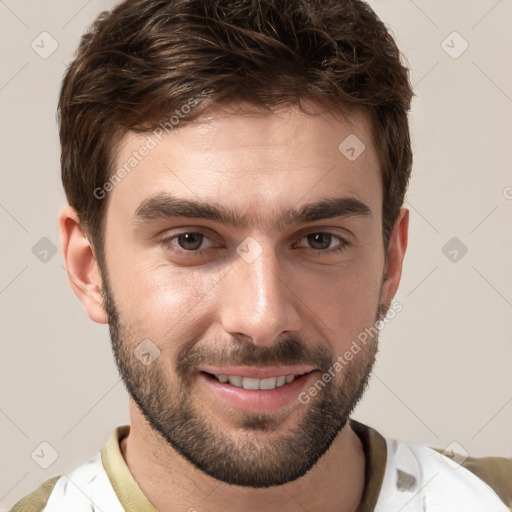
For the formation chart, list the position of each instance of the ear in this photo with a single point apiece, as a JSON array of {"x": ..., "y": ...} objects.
[
  {"x": 82, "y": 268},
  {"x": 396, "y": 252}
]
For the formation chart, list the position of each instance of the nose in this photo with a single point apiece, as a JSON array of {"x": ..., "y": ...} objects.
[{"x": 259, "y": 301}]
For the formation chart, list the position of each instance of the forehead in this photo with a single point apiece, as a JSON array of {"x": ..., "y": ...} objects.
[{"x": 259, "y": 163}]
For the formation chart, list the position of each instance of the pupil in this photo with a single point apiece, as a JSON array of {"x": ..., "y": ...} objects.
[
  {"x": 193, "y": 239},
  {"x": 314, "y": 239}
]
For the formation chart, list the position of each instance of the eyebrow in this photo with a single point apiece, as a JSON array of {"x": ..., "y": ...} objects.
[{"x": 166, "y": 206}]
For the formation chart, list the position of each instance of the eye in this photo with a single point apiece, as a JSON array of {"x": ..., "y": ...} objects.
[
  {"x": 192, "y": 243},
  {"x": 322, "y": 242},
  {"x": 188, "y": 241}
]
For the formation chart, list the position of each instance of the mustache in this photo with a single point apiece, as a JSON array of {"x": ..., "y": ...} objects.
[{"x": 287, "y": 351}]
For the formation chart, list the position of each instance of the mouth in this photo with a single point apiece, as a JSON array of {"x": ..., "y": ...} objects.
[
  {"x": 256, "y": 390},
  {"x": 252, "y": 383}
]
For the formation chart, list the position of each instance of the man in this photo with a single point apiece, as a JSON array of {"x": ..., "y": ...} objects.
[{"x": 235, "y": 173}]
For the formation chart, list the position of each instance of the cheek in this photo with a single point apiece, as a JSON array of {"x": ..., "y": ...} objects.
[
  {"x": 342, "y": 304},
  {"x": 164, "y": 303}
]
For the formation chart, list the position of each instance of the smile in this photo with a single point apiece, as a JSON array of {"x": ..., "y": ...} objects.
[
  {"x": 264, "y": 390},
  {"x": 252, "y": 383}
]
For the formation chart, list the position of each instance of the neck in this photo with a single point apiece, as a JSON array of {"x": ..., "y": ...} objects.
[{"x": 172, "y": 484}]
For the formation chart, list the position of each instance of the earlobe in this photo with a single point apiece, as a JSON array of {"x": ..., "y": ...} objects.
[
  {"x": 396, "y": 252},
  {"x": 81, "y": 265}
]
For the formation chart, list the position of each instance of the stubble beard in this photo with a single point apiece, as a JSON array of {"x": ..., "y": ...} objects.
[{"x": 255, "y": 453}]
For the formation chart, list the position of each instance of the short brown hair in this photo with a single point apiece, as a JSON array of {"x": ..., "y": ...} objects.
[{"x": 147, "y": 58}]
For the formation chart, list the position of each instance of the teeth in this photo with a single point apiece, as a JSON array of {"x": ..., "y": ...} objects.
[
  {"x": 269, "y": 383},
  {"x": 235, "y": 381},
  {"x": 251, "y": 383}
]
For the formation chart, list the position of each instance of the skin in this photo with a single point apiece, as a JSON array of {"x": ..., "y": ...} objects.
[{"x": 257, "y": 165}]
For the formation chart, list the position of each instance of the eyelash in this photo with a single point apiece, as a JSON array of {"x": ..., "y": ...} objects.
[{"x": 343, "y": 243}]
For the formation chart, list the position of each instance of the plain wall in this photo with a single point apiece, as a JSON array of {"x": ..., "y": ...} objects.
[{"x": 444, "y": 366}]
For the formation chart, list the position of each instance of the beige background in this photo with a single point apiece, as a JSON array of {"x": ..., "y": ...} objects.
[{"x": 444, "y": 368}]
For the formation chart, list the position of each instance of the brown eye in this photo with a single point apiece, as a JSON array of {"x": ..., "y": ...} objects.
[
  {"x": 189, "y": 241},
  {"x": 320, "y": 240},
  {"x": 325, "y": 243}
]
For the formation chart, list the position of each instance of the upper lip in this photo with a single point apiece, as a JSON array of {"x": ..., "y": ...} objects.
[{"x": 257, "y": 372}]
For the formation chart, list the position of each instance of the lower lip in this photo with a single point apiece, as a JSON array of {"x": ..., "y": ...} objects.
[{"x": 257, "y": 400}]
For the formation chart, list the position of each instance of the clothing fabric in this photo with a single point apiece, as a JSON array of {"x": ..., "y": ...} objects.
[{"x": 399, "y": 476}]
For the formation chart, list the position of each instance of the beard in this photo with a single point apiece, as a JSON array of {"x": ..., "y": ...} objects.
[{"x": 254, "y": 455}]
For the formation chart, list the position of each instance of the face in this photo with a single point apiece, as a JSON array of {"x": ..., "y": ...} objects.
[{"x": 246, "y": 246}]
